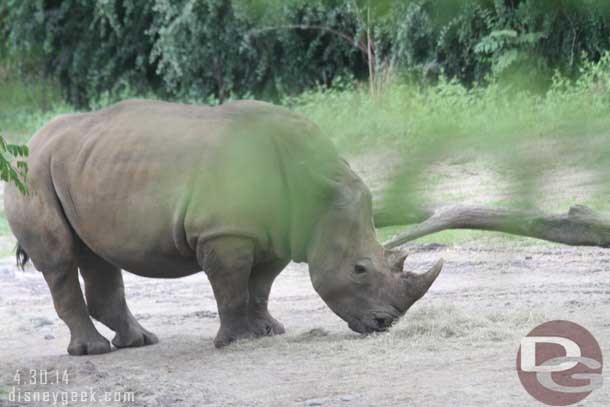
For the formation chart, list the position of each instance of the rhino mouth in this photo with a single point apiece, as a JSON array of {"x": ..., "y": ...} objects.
[{"x": 378, "y": 322}]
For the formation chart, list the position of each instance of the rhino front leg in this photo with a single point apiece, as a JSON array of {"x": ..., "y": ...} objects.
[
  {"x": 261, "y": 281},
  {"x": 106, "y": 302},
  {"x": 227, "y": 261},
  {"x": 70, "y": 306}
]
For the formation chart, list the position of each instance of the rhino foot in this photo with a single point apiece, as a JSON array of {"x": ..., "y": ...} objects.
[
  {"x": 228, "y": 335},
  {"x": 135, "y": 336},
  {"x": 267, "y": 326},
  {"x": 92, "y": 345}
]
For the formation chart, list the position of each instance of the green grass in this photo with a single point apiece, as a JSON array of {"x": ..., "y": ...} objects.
[
  {"x": 434, "y": 124},
  {"x": 26, "y": 103},
  {"x": 461, "y": 236},
  {"x": 447, "y": 237},
  {"x": 434, "y": 121}
]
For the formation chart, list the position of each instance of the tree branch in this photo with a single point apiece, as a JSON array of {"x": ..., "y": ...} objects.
[
  {"x": 385, "y": 216},
  {"x": 581, "y": 226}
]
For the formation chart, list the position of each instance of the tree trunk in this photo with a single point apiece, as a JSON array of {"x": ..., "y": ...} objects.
[{"x": 581, "y": 226}]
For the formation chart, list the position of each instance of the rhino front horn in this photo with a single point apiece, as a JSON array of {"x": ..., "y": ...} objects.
[{"x": 419, "y": 283}]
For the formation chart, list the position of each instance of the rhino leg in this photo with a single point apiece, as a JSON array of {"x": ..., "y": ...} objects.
[
  {"x": 70, "y": 306},
  {"x": 106, "y": 302},
  {"x": 261, "y": 281},
  {"x": 227, "y": 261},
  {"x": 44, "y": 233}
]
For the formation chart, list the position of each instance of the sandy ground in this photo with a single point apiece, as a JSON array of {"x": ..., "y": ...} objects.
[{"x": 456, "y": 347}]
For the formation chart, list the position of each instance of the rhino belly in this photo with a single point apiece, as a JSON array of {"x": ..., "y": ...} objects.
[
  {"x": 138, "y": 230},
  {"x": 144, "y": 247},
  {"x": 156, "y": 265}
]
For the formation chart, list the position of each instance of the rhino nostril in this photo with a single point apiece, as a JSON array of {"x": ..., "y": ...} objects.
[{"x": 383, "y": 322}]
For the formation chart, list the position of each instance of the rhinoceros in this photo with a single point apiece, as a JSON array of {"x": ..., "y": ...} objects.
[{"x": 166, "y": 190}]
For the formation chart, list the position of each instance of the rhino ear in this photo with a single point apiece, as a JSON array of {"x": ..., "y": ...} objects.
[
  {"x": 321, "y": 185},
  {"x": 326, "y": 185}
]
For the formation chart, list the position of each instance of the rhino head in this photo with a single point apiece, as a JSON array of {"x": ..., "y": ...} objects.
[{"x": 361, "y": 282}]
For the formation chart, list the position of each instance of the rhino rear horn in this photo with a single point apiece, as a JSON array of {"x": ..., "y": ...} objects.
[{"x": 396, "y": 260}]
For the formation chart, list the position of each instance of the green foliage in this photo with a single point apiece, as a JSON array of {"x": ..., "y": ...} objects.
[
  {"x": 506, "y": 48},
  {"x": 188, "y": 49},
  {"x": 16, "y": 171},
  {"x": 534, "y": 36},
  {"x": 211, "y": 50},
  {"x": 458, "y": 39},
  {"x": 89, "y": 46},
  {"x": 412, "y": 35},
  {"x": 200, "y": 48},
  {"x": 319, "y": 53}
]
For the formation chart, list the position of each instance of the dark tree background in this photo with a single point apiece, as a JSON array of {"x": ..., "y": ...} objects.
[{"x": 203, "y": 50}]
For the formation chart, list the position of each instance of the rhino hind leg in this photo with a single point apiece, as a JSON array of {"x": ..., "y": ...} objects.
[
  {"x": 45, "y": 235},
  {"x": 70, "y": 306},
  {"x": 260, "y": 284},
  {"x": 228, "y": 262},
  {"x": 105, "y": 293}
]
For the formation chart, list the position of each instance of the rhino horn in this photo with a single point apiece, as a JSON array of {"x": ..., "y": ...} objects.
[
  {"x": 400, "y": 262},
  {"x": 396, "y": 260},
  {"x": 418, "y": 283}
]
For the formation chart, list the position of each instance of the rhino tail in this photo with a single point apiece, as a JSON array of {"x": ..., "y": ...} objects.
[{"x": 22, "y": 257}]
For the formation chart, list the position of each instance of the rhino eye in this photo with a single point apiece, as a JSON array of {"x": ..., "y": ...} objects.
[{"x": 360, "y": 268}]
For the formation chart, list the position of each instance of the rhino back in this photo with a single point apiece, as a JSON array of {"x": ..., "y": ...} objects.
[{"x": 142, "y": 182}]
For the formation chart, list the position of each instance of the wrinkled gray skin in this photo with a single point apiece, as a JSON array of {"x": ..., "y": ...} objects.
[{"x": 167, "y": 190}]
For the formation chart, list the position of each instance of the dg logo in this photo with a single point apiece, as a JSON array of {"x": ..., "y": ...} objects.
[{"x": 560, "y": 363}]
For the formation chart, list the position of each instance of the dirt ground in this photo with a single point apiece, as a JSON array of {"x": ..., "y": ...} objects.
[{"x": 456, "y": 347}]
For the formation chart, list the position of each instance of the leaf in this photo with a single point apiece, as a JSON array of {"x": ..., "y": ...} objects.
[
  {"x": 505, "y": 60},
  {"x": 504, "y": 34}
]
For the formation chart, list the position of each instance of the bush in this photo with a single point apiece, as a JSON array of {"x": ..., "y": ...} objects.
[
  {"x": 89, "y": 46},
  {"x": 215, "y": 49},
  {"x": 299, "y": 59},
  {"x": 412, "y": 36},
  {"x": 527, "y": 37},
  {"x": 186, "y": 49},
  {"x": 210, "y": 49},
  {"x": 200, "y": 50}
]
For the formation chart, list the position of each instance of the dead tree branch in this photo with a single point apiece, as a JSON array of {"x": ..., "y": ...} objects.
[{"x": 581, "y": 226}]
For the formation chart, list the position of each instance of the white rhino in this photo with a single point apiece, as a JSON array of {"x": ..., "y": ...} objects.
[{"x": 166, "y": 190}]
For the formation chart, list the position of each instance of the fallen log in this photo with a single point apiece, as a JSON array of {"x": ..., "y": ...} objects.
[{"x": 581, "y": 226}]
